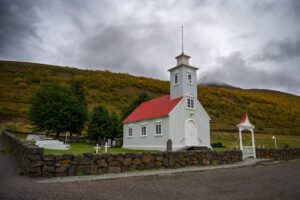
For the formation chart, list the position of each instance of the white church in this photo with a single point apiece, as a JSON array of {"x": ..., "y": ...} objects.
[{"x": 179, "y": 116}]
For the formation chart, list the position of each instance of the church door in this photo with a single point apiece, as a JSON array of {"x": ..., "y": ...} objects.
[{"x": 191, "y": 138}]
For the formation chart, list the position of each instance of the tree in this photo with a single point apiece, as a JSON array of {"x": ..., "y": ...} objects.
[
  {"x": 115, "y": 126},
  {"x": 99, "y": 124},
  {"x": 127, "y": 109},
  {"x": 55, "y": 109},
  {"x": 78, "y": 91}
]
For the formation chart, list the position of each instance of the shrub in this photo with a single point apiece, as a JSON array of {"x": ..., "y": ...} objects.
[{"x": 218, "y": 145}]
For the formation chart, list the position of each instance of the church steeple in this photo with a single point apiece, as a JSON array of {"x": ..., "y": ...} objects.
[{"x": 183, "y": 77}]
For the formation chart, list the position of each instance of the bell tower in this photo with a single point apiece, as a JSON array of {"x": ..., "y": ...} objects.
[{"x": 183, "y": 77}]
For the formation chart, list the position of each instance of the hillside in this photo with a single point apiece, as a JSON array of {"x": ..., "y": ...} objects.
[{"x": 272, "y": 112}]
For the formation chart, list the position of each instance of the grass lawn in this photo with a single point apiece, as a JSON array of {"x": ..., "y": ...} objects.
[
  {"x": 229, "y": 140},
  {"x": 79, "y": 148}
]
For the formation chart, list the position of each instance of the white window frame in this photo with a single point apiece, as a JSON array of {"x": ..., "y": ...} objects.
[
  {"x": 155, "y": 128},
  {"x": 142, "y": 126},
  {"x": 189, "y": 103},
  {"x": 130, "y": 130},
  {"x": 176, "y": 74},
  {"x": 189, "y": 81}
]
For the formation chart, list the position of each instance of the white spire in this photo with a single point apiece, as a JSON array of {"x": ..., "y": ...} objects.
[{"x": 182, "y": 39}]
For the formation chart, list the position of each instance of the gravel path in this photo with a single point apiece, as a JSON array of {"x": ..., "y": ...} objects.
[{"x": 276, "y": 181}]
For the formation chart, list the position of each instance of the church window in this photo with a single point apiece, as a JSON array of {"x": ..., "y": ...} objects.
[
  {"x": 129, "y": 132},
  {"x": 176, "y": 80},
  {"x": 144, "y": 131},
  {"x": 190, "y": 103},
  {"x": 189, "y": 78},
  {"x": 158, "y": 129}
]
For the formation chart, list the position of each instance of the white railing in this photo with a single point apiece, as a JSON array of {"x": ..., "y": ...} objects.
[{"x": 248, "y": 151}]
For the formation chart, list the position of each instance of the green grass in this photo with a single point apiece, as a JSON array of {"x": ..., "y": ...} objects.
[
  {"x": 229, "y": 140},
  {"x": 79, "y": 148},
  {"x": 221, "y": 149}
]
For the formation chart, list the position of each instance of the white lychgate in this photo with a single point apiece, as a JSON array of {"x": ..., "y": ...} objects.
[{"x": 248, "y": 151}]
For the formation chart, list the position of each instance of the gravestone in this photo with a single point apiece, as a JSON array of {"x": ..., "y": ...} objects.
[
  {"x": 109, "y": 142},
  {"x": 114, "y": 143},
  {"x": 52, "y": 144},
  {"x": 169, "y": 145},
  {"x": 33, "y": 137}
]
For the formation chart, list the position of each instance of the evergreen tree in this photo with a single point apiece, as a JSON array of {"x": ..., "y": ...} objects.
[
  {"x": 127, "y": 109},
  {"x": 55, "y": 109},
  {"x": 115, "y": 126},
  {"x": 99, "y": 124},
  {"x": 78, "y": 91}
]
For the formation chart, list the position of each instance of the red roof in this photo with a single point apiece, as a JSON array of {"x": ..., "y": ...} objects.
[
  {"x": 154, "y": 108},
  {"x": 244, "y": 118}
]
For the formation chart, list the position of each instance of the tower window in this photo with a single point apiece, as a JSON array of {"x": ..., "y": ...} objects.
[
  {"x": 189, "y": 78},
  {"x": 190, "y": 103},
  {"x": 176, "y": 79}
]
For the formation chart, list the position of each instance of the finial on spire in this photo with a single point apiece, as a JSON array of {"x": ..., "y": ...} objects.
[{"x": 182, "y": 38}]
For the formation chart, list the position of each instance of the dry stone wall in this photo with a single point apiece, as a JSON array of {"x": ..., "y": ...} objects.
[
  {"x": 278, "y": 154},
  {"x": 37, "y": 164}
]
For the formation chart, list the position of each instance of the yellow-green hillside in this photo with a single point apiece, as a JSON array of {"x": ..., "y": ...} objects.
[{"x": 272, "y": 112}]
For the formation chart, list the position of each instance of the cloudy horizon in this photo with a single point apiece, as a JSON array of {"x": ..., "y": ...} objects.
[{"x": 247, "y": 44}]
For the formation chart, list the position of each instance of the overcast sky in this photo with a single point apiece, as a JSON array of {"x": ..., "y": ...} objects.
[{"x": 248, "y": 44}]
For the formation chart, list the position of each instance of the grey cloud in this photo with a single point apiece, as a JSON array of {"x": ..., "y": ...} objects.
[
  {"x": 143, "y": 37},
  {"x": 235, "y": 71},
  {"x": 279, "y": 50},
  {"x": 294, "y": 8},
  {"x": 118, "y": 49},
  {"x": 263, "y": 7},
  {"x": 18, "y": 21}
]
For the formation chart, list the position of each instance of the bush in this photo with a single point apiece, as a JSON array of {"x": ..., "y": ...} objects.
[
  {"x": 217, "y": 145},
  {"x": 22, "y": 85}
]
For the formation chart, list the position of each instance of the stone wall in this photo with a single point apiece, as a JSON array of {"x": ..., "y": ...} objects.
[
  {"x": 29, "y": 155},
  {"x": 278, "y": 154},
  {"x": 37, "y": 164}
]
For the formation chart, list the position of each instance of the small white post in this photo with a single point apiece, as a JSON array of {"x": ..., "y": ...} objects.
[
  {"x": 274, "y": 138},
  {"x": 106, "y": 147},
  {"x": 241, "y": 141},
  {"x": 253, "y": 143},
  {"x": 66, "y": 137}
]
